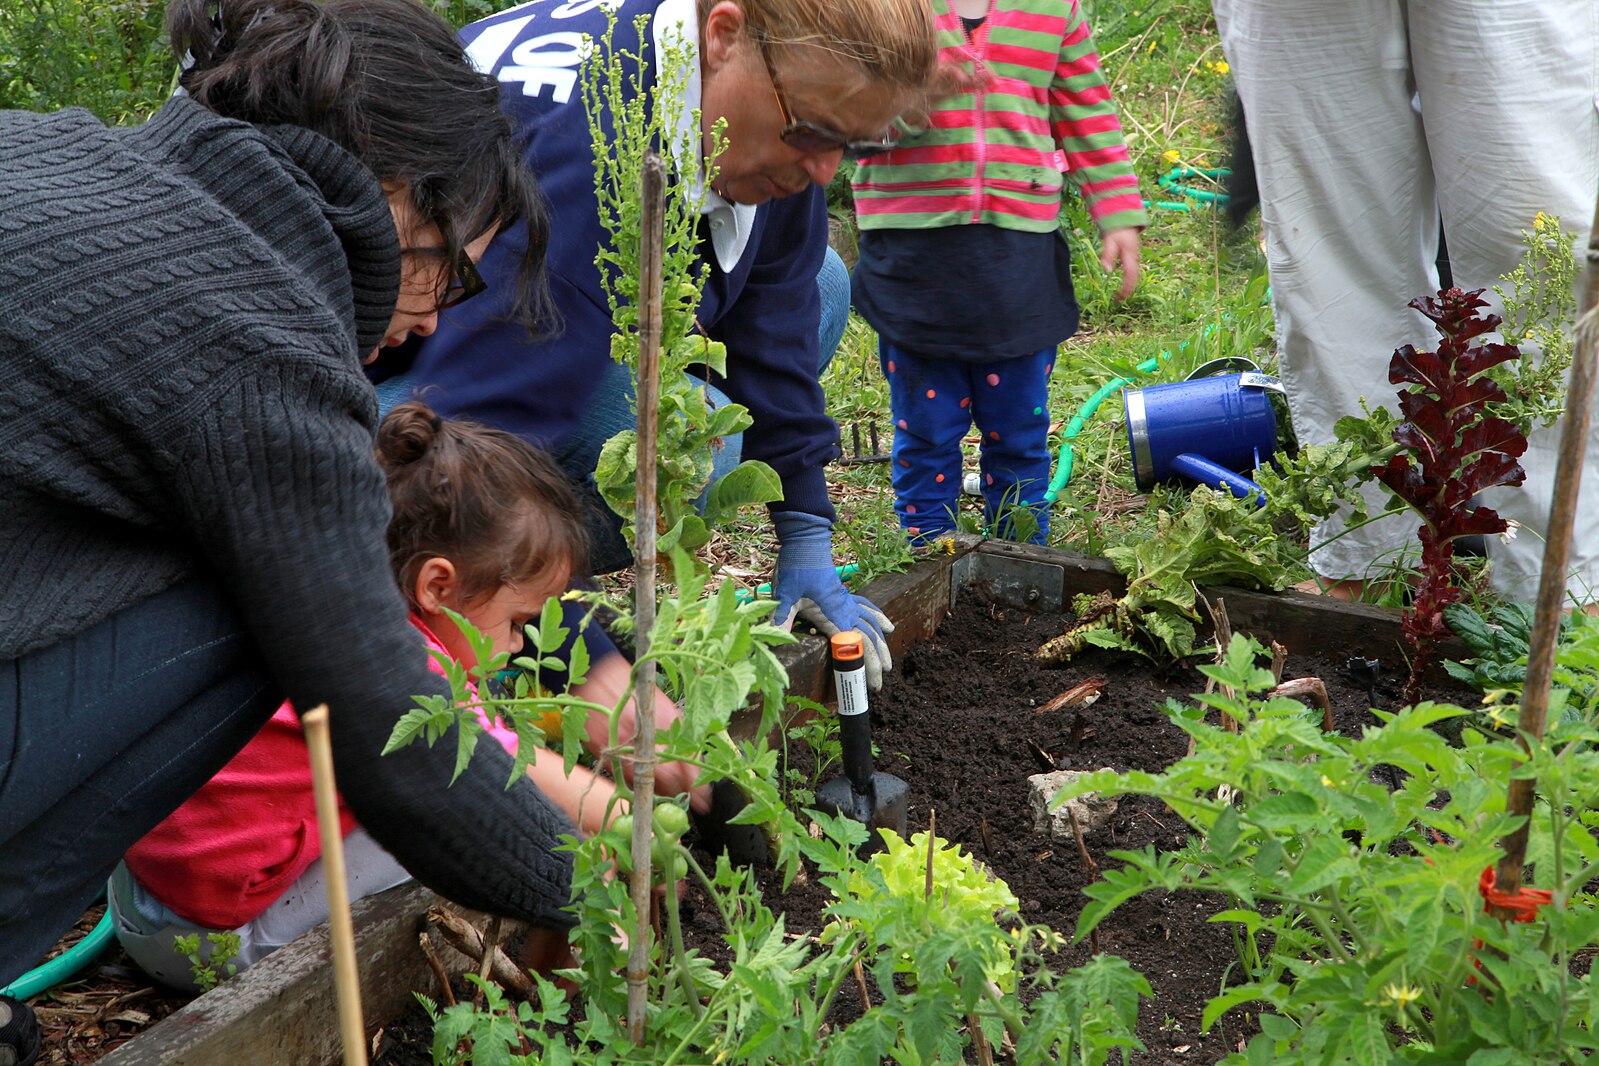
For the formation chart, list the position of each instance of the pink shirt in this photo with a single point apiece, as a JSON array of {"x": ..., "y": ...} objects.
[{"x": 227, "y": 854}]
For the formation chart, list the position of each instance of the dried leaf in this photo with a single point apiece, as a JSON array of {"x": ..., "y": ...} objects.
[{"x": 1079, "y": 695}]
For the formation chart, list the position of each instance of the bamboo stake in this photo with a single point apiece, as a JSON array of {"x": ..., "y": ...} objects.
[
  {"x": 1557, "y": 544},
  {"x": 341, "y": 935},
  {"x": 651, "y": 250},
  {"x": 860, "y": 985}
]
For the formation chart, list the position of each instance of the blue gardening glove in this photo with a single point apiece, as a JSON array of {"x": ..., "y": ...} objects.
[{"x": 807, "y": 584}]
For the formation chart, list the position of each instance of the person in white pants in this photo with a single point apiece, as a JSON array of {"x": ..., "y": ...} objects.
[{"x": 1353, "y": 179}]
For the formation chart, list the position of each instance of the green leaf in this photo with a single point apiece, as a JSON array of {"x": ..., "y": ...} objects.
[
  {"x": 1224, "y": 833},
  {"x": 1325, "y": 860},
  {"x": 1232, "y": 997},
  {"x": 1262, "y": 1051},
  {"x": 1268, "y": 859},
  {"x": 1421, "y": 931},
  {"x": 467, "y": 731},
  {"x": 1470, "y": 627},
  {"x": 551, "y": 633},
  {"x": 408, "y": 728},
  {"x": 747, "y": 484},
  {"x": 1286, "y": 810},
  {"x": 1369, "y": 1039},
  {"x": 728, "y": 419}
]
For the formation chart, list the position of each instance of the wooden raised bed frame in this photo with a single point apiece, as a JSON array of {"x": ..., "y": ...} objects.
[{"x": 282, "y": 1009}]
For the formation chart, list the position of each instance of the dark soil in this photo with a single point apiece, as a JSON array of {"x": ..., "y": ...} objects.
[{"x": 958, "y": 721}]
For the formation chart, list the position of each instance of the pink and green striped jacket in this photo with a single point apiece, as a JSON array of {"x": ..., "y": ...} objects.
[{"x": 993, "y": 155}]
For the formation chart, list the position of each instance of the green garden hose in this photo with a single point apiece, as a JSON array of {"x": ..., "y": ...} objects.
[
  {"x": 764, "y": 590},
  {"x": 1171, "y": 182},
  {"x": 64, "y": 966},
  {"x": 1065, "y": 457}
]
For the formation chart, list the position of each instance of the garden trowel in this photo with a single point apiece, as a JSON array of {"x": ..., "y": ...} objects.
[{"x": 876, "y": 800}]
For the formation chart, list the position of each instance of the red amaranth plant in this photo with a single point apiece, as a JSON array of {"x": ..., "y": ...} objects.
[{"x": 1453, "y": 450}]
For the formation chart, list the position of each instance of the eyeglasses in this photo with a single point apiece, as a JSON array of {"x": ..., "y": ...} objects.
[
  {"x": 805, "y": 136},
  {"x": 465, "y": 282}
]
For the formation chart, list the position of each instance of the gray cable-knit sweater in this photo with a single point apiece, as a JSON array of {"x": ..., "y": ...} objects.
[{"x": 183, "y": 306}]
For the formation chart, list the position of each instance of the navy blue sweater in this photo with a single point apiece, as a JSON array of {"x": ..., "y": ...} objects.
[{"x": 482, "y": 366}]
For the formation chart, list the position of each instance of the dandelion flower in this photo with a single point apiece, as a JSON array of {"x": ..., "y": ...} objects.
[
  {"x": 1220, "y": 67},
  {"x": 1171, "y": 155}
]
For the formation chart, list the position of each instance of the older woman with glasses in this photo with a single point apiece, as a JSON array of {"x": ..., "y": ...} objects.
[
  {"x": 193, "y": 520},
  {"x": 800, "y": 85}
]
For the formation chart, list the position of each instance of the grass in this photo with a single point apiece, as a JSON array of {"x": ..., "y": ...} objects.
[{"x": 1200, "y": 296}]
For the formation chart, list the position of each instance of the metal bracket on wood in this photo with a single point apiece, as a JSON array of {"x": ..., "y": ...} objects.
[{"x": 1016, "y": 582}]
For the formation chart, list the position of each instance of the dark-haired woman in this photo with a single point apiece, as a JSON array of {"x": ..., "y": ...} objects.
[{"x": 191, "y": 520}]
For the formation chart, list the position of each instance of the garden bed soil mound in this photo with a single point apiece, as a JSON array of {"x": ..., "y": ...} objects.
[{"x": 958, "y": 720}]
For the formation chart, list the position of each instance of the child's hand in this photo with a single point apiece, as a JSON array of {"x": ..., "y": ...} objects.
[{"x": 1119, "y": 247}]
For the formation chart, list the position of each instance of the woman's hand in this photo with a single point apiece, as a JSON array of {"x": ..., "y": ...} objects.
[
  {"x": 607, "y": 680},
  {"x": 1119, "y": 248}
]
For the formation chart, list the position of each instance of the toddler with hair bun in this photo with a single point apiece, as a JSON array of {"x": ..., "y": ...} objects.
[{"x": 485, "y": 526}]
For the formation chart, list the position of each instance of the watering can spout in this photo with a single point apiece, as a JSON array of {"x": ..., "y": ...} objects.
[{"x": 1198, "y": 468}]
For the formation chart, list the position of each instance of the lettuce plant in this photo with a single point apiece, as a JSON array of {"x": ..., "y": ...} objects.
[
  {"x": 891, "y": 888},
  {"x": 1453, "y": 448}
]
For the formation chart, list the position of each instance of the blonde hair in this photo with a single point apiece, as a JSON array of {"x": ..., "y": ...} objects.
[{"x": 890, "y": 42}]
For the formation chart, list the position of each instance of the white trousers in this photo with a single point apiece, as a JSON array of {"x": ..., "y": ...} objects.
[{"x": 1353, "y": 179}]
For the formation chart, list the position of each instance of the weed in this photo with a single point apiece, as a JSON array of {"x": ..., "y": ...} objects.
[
  {"x": 817, "y": 728},
  {"x": 213, "y": 963}
]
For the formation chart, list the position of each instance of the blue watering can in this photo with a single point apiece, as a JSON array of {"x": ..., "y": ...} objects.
[{"x": 1210, "y": 428}]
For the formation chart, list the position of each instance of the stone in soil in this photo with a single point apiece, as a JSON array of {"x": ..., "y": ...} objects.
[{"x": 1091, "y": 810}]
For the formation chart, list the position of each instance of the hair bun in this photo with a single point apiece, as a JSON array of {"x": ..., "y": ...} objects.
[{"x": 407, "y": 433}]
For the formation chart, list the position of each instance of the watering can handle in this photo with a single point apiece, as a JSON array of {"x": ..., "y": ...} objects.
[{"x": 1202, "y": 470}]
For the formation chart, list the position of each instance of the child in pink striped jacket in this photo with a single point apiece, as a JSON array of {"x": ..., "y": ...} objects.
[{"x": 963, "y": 271}]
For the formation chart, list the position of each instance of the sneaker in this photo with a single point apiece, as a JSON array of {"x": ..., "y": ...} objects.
[{"x": 19, "y": 1033}]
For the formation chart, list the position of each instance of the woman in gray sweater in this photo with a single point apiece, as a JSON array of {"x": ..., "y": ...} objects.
[{"x": 191, "y": 519}]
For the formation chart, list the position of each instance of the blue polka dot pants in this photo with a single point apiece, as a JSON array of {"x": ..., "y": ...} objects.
[{"x": 935, "y": 402}]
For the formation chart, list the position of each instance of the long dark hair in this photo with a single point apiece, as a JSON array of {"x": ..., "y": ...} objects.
[
  {"x": 487, "y": 500},
  {"x": 386, "y": 80}
]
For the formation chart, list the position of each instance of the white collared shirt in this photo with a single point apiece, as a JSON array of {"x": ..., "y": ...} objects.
[{"x": 677, "y": 22}]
